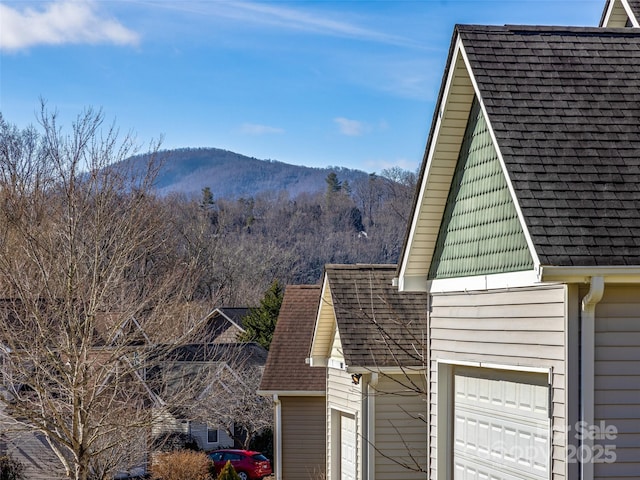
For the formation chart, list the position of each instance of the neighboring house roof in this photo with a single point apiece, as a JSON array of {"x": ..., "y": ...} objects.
[
  {"x": 245, "y": 354},
  {"x": 563, "y": 106},
  {"x": 234, "y": 314},
  {"x": 621, "y": 13},
  {"x": 378, "y": 325},
  {"x": 286, "y": 369},
  {"x": 225, "y": 323}
]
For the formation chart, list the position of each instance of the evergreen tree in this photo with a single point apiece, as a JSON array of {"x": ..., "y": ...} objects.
[
  {"x": 260, "y": 322},
  {"x": 228, "y": 473},
  {"x": 207, "y": 198},
  {"x": 333, "y": 184}
]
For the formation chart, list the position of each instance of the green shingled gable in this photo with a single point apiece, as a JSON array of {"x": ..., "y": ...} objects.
[{"x": 480, "y": 233}]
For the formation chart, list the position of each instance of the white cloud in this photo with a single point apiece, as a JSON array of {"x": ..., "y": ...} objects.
[
  {"x": 287, "y": 18},
  {"x": 351, "y": 128},
  {"x": 256, "y": 129},
  {"x": 60, "y": 22}
]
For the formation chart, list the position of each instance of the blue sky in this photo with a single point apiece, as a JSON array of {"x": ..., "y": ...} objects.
[{"x": 316, "y": 83}]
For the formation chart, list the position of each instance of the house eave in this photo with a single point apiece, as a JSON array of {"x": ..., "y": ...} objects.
[
  {"x": 317, "y": 361},
  {"x": 611, "y": 274},
  {"x": 393, "y": 370},
  {"x": 292, "y": 393}
]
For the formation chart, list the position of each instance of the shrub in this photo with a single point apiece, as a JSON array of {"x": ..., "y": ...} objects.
[
  {"x": 181, "y": 465},
  {"x": 11, "y": 469},
  {"x": 228, "y": 473}
]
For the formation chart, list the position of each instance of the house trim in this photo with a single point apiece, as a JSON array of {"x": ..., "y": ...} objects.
[
  {"x": 292, "y": 393},
  {"x": 336, "y": 411},
  {"x": 498, "y": 366},
  {"x": 572, "y": 371},
  {"x": 371, "y": 426},
  {"x": 587, "y": 332},
  {"x": 278, "y": 437},
  {"x": 621, "y": 274},
  {"x": 318, "y": 361},
  {"x": 389, "y": 370},
  {"x": 484, "y": 282}
]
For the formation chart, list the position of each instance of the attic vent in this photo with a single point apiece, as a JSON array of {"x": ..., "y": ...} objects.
[{"x": 480, "y": 233}]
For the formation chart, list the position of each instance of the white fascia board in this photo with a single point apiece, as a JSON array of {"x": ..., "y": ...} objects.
[
  {"x": 523, "y": 225},
  {"x": 607, "y": 16},
  {"x": 630, "y": 13},
  {"x": 413, "y": 283},
  {"x": 318, "y": 361},
  {"x": 496, "y": 281},
  {"x": 312, "y": 348},
  {"x": 610, "y": 274},
  {"x": 291, "y": 393},
  {"x": 403, "y": 284},
  {"x": 414, "y": 370},
  {"x": 498, "y": 366}
]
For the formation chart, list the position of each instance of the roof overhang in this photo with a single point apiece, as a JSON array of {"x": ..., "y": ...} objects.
[
  {"x": 292, "y": 393},
  {"x": 395, "y": 370},
  {"x": 610, "y": 274},
  {"x": 324, "y": 328}
]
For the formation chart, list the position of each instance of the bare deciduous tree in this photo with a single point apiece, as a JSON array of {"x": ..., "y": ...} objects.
[
  {"x": 231, "y": 399},
  {"x": 91, "y": 285}
]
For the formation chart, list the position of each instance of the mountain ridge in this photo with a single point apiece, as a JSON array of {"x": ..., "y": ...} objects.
[{"x": 233, "y": 175}]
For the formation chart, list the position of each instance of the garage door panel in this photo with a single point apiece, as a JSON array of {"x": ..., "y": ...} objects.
[
  {"x": 347, "y": 447},
  {"x": 501, "y": 426}
]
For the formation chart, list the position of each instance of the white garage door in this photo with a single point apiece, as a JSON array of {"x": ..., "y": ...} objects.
[
  {"x": 501, "y": 425},
  {"x": 347, "y": 447}
]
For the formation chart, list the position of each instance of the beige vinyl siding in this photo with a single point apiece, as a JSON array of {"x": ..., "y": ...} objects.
[
  {"x": 303, "y": 437},
  {"x": 515, "y": 327},
  {"x": 342, "y": 396},
  {"x": 400, "y": 427},
  {"x": 337, "y": 355},
  {"x": 617, "y": 380}
]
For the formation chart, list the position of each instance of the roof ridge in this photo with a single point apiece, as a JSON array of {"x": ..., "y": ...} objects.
[
  {"x": 359, "y": 266},
  {"x": 555, "y": 29}
]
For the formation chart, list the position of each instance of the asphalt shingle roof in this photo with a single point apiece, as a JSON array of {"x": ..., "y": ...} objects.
[
  {"x": 564, "y": 104},
  {"x": 286, "y": 368},
  {"x": 378, "y": 325}
]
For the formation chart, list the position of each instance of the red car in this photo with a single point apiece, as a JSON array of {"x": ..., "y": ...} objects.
[{"x": 249, "y": 465}]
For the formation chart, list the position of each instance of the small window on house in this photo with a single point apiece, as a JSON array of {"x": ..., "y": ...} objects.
[{"x": 212, "y": 435}]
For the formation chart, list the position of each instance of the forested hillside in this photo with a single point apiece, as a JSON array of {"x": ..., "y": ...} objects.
[{"x": 246, "y": 243}]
